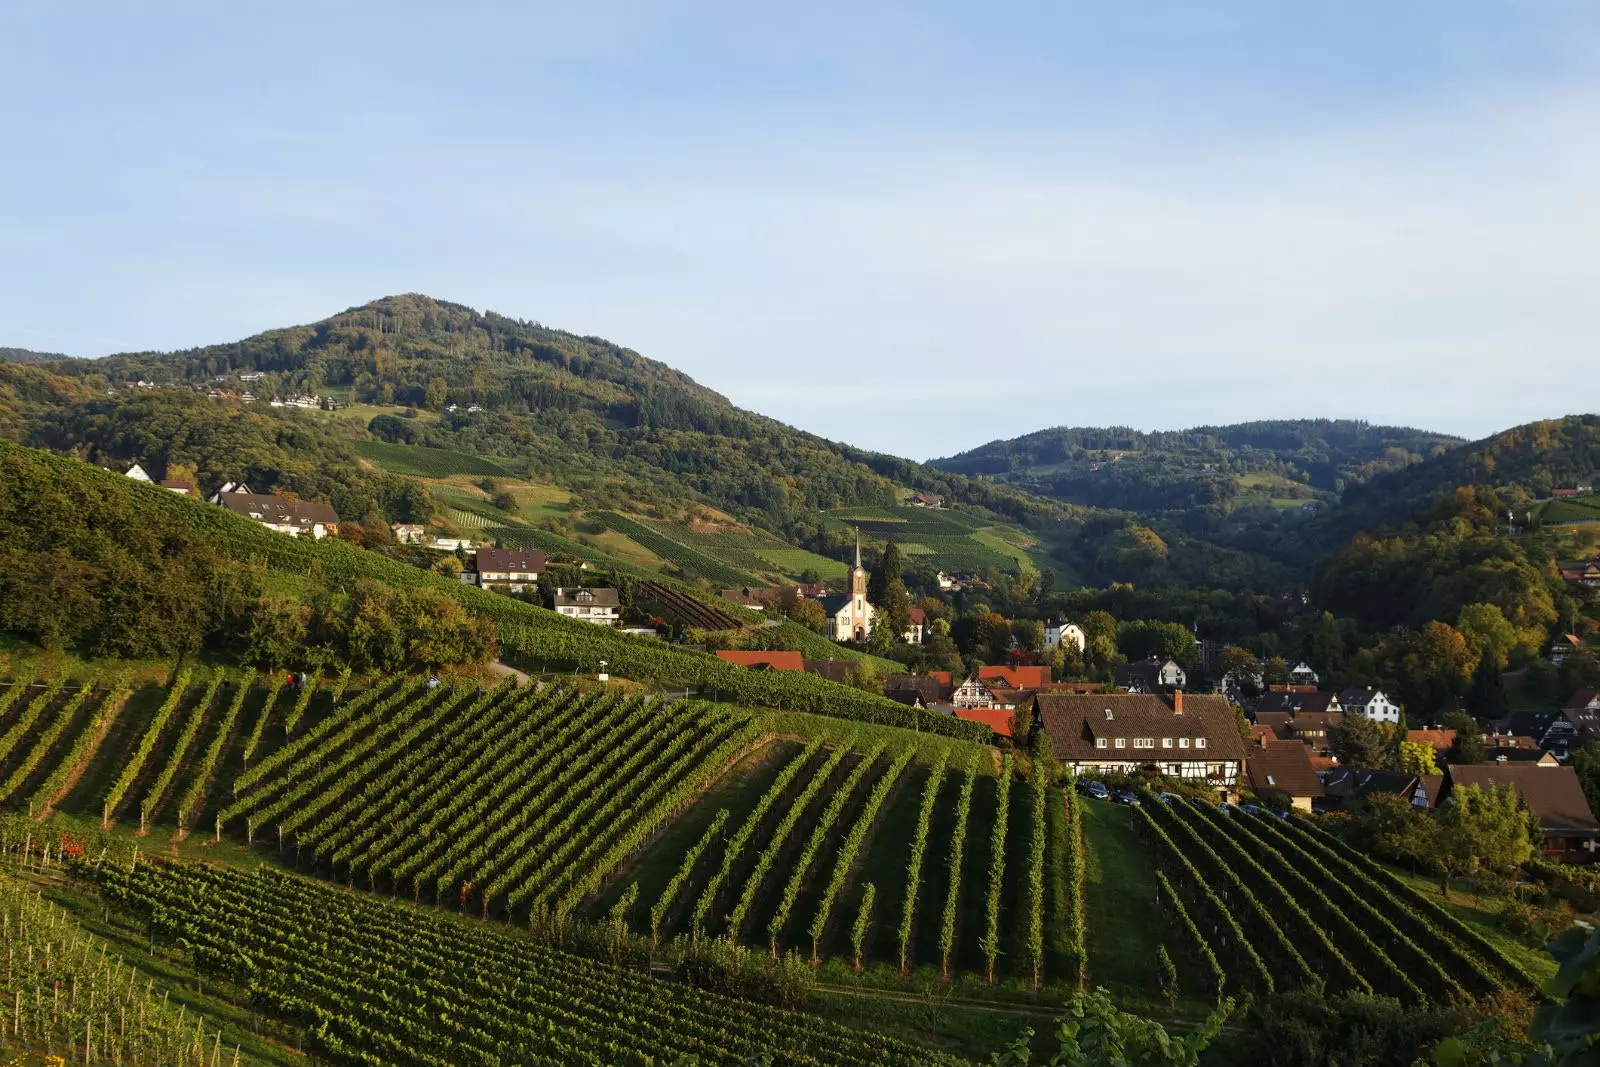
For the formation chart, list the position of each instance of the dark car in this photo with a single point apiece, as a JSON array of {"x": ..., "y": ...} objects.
[
  {"x": 1201, "y": 804},
  {"x": 1278, "y": 813},
  {"x": 1126, "y": 796},
  {"x": 1251, "y": 809},
  {"x": 1097, "y": 790},
  {"x": 1169, "y": 798}
]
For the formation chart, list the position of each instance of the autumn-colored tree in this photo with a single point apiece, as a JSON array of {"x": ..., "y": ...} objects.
[{"x": 1488, "y": 633}]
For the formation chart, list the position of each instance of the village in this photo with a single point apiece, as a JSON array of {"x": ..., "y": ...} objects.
[{"x": 1237, "y": 738}]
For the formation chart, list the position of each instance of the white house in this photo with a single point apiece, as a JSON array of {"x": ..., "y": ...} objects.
[
  {"x": 407, "y": 533},
  {"x": 1361, "y": 700},
  {"x": 596, "y": 605},
  {"x": 973, "y": 693},
  {"x": 914, "y": 630},
  {"x": 1058, "y": 633},
  {"x": 1302, "y": 674},
  {"x": 137, "y": 473}
]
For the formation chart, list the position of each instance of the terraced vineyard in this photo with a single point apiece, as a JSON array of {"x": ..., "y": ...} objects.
[
  {"x": 377, "y": 983},
  {"x": 799, "y": 835},
  {"x": 513, "y": 800},
  {"x": 52, "y": 730},
  {"x": 691, "y": 612},
  {"x": 1288, "y": 907}
]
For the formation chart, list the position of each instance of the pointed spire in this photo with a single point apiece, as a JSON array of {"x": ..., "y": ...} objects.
[{"x": 858, "y": 548}]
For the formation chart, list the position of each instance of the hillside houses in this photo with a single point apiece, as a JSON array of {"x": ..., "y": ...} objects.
[{"x": 293, "y": 517}]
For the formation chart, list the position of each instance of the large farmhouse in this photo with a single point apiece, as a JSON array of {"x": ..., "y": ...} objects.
[{"x": 1184, "y": 736}]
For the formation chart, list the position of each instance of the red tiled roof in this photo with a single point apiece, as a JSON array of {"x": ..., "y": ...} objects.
[
  {"x": 942, "y": 676},
  {"x": 777, "y": 661},
  {"x": 997, "y": 719},
  {"x": 1438, "y": 740},
  {"x": 1016, "y": 677}
]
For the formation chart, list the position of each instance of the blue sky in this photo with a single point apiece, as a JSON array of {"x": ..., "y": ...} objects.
[{"x": 914, "y": 227}]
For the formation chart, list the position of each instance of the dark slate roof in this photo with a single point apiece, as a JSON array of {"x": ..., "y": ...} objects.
[
  {"x": 1282, "y": 768},
  {"x": 1358, "y": 783},
  {"x": 833, "y": 603},
  {"x": 1144, "y": 673},
  {"x": 1074, "y": 721},
  {"x": 1296, "y": 703},
  {"x": 509, "y": 560},
  {"x": 591, "y": 597},
  {"x": 927, "y": 689},
  {"x": 266, "y": 507},
  {"x": 1357, "y": 696},
  {"x": 832, "y": 669},
  {"x": 1552, "y": 793}
]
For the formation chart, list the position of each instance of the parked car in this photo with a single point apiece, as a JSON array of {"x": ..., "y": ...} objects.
[
  {"x": 1097, "y": 790},
  {"x": 1278, "y": 813},
  {"x": 1227, "y": 809},
  {"x": 1201, "y": 804},
  {"x": 1169, "y": 798},
  {"x": 1126, "y": 796},
  {"x": 1251, "y": 809}
]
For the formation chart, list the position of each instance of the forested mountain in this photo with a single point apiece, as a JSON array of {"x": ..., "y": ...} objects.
[
  {"x": 1229, "y": 466},
  {"x": 614, "y": 428}
]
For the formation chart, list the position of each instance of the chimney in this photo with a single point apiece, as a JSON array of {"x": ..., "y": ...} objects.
[{"x": 1177, "y": 701}]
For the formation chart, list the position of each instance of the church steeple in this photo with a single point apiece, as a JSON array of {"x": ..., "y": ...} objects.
[{"x": 858, "y": 574}]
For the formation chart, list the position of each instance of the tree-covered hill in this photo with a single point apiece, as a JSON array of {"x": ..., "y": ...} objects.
[
  {"x": 576, "y": 408},
  {"x": 23, "y": 355},
  {"x": 1522, "y": 464},
  {"x": 1230, "y": 466}
]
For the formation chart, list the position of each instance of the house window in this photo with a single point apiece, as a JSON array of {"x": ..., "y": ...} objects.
[
  {"x": 1122, "y": 742},
  {"x": 1108, "y": 715},
  {"x": 1271, "y": 780},
  {"x": 1183, "y": 742},
  {"x": 1166, "y": 742},
  {"x": 1099, "y": 742},
  {"x": 1199, "y": 742}
]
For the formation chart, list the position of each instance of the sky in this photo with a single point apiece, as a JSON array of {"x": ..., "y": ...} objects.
[{"x": 914, "y": 227}]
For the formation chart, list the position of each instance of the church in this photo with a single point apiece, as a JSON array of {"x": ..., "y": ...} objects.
[{"x": 849, "y": 614}]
